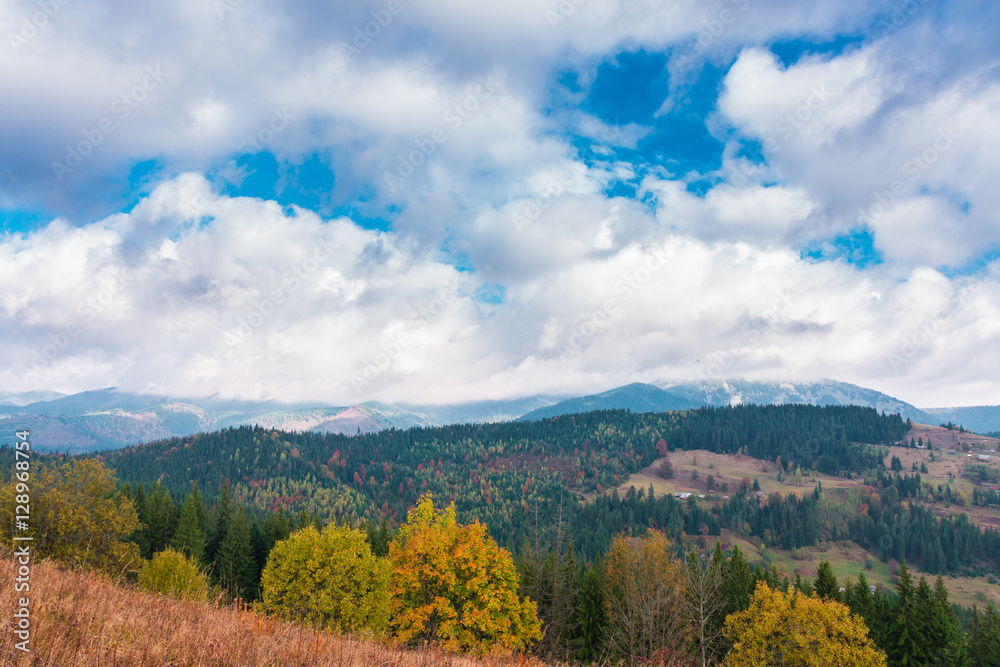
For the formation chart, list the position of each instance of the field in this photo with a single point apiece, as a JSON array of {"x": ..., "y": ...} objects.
[{"x": 81, "y": 619}]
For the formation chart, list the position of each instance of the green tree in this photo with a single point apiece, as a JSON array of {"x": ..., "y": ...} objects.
[
  {"x": 984, "y": 637},
  {"x": 160, "y": 517},
  {"x": 330, "y": 578},
  {"x": 189, "y": 538},
  {"x": 905, "y": 644},
  {"x": 222, "y": 514},
  {"x": 172, "y": 573},
  {"x": 826, "y": 585},
  {"x": 452, "y": 584},
  {"x": 235, "y": 566}
]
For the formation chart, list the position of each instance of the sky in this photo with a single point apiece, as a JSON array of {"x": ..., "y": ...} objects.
[{"x": 454, "y": 200}]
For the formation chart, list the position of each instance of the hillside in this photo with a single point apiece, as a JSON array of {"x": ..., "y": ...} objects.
[{"x": 79, "y": 618}]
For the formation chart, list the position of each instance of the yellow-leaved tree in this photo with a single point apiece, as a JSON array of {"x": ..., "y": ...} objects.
[
  {"x": 76, "y": 515},
  {"x": 793, "y": 630},
  {"x": 328, "y": 578},
  {"x": 453, "y": 585}
]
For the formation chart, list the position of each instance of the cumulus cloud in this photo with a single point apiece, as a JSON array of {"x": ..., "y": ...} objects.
[{"x": 503, "y": 259}]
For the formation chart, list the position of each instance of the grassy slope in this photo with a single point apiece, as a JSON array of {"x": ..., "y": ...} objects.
[
  {"x": 846, "y": 558},
  {"x": 81, "y": 619}
]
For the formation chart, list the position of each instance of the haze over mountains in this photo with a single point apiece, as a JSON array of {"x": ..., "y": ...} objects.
[{"x": 107, "y": 418}]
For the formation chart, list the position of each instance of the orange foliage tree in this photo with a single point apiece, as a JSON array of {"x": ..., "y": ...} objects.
[
  {"x": 453, "y": 585},
  {"x": 644, "y": 598}
]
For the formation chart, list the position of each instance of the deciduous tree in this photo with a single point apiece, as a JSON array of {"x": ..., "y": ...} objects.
[
  {"x": 452, "y": 584},
  {"x": 792, "y": 630},
  {"x": 330, "y": 578}
]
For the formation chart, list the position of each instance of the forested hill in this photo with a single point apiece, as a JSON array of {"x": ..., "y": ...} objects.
[{"x": 496, "y": 473}]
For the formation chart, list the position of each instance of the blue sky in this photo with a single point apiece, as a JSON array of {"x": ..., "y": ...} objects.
[{"x": 471, "y": 201}]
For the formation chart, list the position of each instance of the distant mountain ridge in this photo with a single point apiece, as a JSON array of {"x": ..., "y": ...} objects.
[{"x": 108, "y": 419}]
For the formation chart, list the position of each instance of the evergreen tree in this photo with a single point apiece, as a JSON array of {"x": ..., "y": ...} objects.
[
  {"x": 904, "y": 646},
  {"x": 222, "y": 514},
  {"x": 235, "y": 566},
  {"x": 590, "y": 618},
  {"x": 984, "y": 637},
  {"x": 161, "y": 515},
  {"x": 826, "y": 585},
  {"x": 189, "y": 537},
  {"x": 945, "y": 643}
]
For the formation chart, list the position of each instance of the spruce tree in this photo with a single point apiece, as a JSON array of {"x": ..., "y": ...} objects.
[
  {"x": 161, "y": 517},
  {"x": 189, "y": 537},
  {"x": 235, "y": 566},
  {"x": 904, "y": 644},
  {"x": 826, "y": 585},
  {"x": 984, "y": 637},
  {"x": 222, "y": 514}
]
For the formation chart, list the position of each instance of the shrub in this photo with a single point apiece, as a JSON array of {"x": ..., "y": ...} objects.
[
  {"x": 330, "y": 578},
  {"x": 171, "y": 573}
]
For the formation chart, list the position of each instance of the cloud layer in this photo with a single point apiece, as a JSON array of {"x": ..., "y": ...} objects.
[{"x": 485, "y": 227}]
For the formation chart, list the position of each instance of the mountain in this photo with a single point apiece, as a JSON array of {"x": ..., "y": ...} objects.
[
  {"x": 108, "y": 418},
  {"x": 979, "y": 418},
  {"x": 636, "y": 397},
  {"x": 822, "y": 392},
  {"x": 27, "y": 398}
]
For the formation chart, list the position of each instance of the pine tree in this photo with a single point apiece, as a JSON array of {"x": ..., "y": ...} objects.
[
  {"x": 826, "y": 584},
  {"x": 161, "y": 515},
  {"x": 904, "y": 642},
  {"x": 222, "y": 514},
  {"x": 945, "y": 643},
  {"x": 189, "y": 537},
  {"x": 235, "y": 566},
  {"x": 984, "y": 637}
]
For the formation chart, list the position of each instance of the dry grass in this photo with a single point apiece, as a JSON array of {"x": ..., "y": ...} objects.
[{"x": 81, "y": 619}]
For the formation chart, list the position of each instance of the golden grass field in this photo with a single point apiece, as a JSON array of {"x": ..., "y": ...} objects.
[{"x": 83, "y": 620}]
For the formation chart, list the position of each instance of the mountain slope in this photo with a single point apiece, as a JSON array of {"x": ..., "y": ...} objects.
[
  {"x": 979, "y": 418},
  {"x": 636, "y": 397}
]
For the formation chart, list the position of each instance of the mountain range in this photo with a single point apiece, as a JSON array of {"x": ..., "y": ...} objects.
[{"x": 108, "y": 418}]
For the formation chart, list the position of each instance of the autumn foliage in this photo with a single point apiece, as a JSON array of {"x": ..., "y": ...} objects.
[
  {"x": 453, "y": 585},
  {"x": 793, "y": 630}
]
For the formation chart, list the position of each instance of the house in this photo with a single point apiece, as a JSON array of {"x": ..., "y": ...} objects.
[
  {"x": 682, "y": 495},
  {"x": 984, "y": 457}
]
